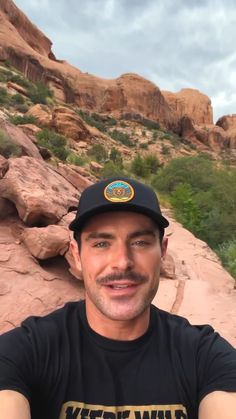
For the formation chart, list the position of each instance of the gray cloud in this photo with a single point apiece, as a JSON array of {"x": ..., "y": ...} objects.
[{"x": 186, "y": 43}]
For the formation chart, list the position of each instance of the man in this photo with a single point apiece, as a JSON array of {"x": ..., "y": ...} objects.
[{"x": 114, "y": 355}]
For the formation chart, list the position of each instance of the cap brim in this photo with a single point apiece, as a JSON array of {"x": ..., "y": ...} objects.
[{"x": 78, "y": 223}]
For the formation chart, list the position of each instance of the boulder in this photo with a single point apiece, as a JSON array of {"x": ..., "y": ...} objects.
[
  {"x": 46, "y": 242},
  {"x": 28, "y": 286},
  {"x": 40, "y": 194},
  {"x": 42, "y": 113},
  {"x": 17, "y": 88},
  {"x": 72, "y": 174},
  {"x": 168, "y": 266},
  {"x": 21, "y": 139},
  {"x": 67, "y": 122}
]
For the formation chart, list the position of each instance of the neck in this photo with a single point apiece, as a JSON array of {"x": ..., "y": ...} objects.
[{"x": 117, "y": 329}]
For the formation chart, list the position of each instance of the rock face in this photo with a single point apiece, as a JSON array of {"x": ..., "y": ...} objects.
[
  {"x": 30, "y": 51},
  {"x": 63, "y": 120},
  {"x": 20, "y": 139},
  {"x": 40, "y": 195},
  {"x": 191, "y": 103},
  {"x": 203, "y": 136},
  {"x": 228, "y": 123}
]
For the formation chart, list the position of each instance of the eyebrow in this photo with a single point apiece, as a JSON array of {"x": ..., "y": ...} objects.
[{"x": 110, "y": 236}]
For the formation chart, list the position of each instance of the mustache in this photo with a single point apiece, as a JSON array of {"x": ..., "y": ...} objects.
[{"x": 118, "y": 276}]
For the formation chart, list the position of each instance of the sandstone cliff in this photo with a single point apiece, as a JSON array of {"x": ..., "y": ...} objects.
[{"x": 29, "y": 50}]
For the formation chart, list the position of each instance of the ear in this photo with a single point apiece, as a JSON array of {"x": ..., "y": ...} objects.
[
  {"x": 75, "y": 255},
  {"x": 164, "y": 247}
]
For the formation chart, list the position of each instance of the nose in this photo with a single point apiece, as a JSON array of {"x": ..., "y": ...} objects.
[{"x": 122, "y": 259}]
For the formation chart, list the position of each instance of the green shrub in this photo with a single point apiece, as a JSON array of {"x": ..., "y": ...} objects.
[
  {"x": 186, "y": 209},
  {"x": 7, "y": 147},
  {"x": 17, "y": 99},
  {"x": 39, "y": 93},
  {"x": 111, "y": 169},
  {"x": 4, "y": 96},
  {"x": 151, "y": 125},
  {"x": 18, "y": 79},
  {"x": 98, "y": 152},
  {"x": 152, "y": 163},
  {"x": 144, "y": 146},
  {"x": 25, "y": 119},
  {"x": 116, "y": 157},
  {"x": 198, "y": 170},
  {"x": 154, "y": 136},
  {"x": 76, "y": 159},
  {"x": 23, "y": 109},
  {"x": 121, "y": 137},
  {"x": 138, "y": 166},
  {"x": 94, "y": 120},
  {"x": 227, "y": 254},
  {"x": 165, "y": 150},
  {"x": 54, "y": 142}
]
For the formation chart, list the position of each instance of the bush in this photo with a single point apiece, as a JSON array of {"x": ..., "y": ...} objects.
[
  {"x": 165, "y": 150},
  {"x": 198, "y": 171},
  {"x": 4, "y": 96},
  {"x": 227, "y": 253},
  {"x": 111, "y": 169},
  {"x": 152, "y": 125},
  {"x": 138, "y": 166},
  {"x": 18, "y": 79},
  {"x": 17, "y": 99},
  {"x": 121, "y": 137},
  {"x": 98, "y": 152},
  {"x": 94, "y": 120},
  {"x": 54, "y": 142},
  {"x": 116, "y": 157},
  {"x": 25, "y": 119},
  {"x": 7, "y": 147},
  {"x": 152, "y": 163},
  {"x": 76, "y": 159},
  {"x": 39, "y": 93},
  {"x": 144, "y": 146}
]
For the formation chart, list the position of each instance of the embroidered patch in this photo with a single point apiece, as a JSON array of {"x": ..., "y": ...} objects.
[{"x": 119, "y": 191}]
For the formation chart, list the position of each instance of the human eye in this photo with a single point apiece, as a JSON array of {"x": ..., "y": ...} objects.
[
  {"x": 141, "y": 243},
  {"x": 101, "y": 244}
]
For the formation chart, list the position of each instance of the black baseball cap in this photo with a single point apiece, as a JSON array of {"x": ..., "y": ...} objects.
[{"x": 118, "y": 194}]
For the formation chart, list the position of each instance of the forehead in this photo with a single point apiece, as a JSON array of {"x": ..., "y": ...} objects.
[{"x": 115, "y": 220}]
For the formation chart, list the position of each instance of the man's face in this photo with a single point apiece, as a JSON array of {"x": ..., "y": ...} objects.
[{"x": 120, "y": 258}]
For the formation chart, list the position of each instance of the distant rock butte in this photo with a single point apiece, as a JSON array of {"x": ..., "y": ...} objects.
[{"x": 191, "y": 103}]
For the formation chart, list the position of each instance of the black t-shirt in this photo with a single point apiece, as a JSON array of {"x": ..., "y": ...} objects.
[{"x": 68, "y": 371}]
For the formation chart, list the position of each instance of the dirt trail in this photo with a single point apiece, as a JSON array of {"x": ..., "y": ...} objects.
[{"x": 202, "y": 291}]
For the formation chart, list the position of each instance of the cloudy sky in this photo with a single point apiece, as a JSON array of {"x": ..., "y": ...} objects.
[{"x": 174, "y": 43}]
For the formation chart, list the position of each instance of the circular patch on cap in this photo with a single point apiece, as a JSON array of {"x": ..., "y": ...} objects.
[{"x": 119, "y": 191}]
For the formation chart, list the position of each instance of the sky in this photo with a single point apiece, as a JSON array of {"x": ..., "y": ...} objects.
[{"x": 174, "y": 43}]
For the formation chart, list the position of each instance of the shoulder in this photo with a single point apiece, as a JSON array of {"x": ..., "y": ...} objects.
[
  {"x": 179, "y": 330},
  {"x": 56, "y": 320}
]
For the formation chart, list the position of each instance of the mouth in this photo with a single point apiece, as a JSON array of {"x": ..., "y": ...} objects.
[{"x": 122, "y": 288}]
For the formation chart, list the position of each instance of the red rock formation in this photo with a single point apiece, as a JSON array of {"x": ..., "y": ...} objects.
[
  {"x": 30, "y": 51},
  {"x": 191, "y": 103},
  {"x": 205, "y": 137},
  {"x": 41, "y": 195},
  {"x": 227, "y": 122},
  {"x": 20, "y": 139}
]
